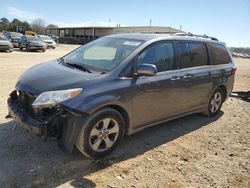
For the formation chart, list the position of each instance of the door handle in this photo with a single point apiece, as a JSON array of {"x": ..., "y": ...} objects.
[
  {"x": 186, "y": 76},
  {"x": 175, "y": 78}
]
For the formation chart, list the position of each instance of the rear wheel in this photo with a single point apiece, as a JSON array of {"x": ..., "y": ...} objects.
[
  {"x": 101, "y": 133},
  {"x": 215, "y": 103}
]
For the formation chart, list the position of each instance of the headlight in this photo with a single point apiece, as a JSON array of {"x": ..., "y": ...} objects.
[{"x": 52, "y": 98}]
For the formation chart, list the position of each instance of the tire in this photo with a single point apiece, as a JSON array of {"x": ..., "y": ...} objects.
[
  {"x": 20, "y": 48},
  {"x": 43, "y": 50},
  {"x": 215, "y": 103},
  {"x": 94, "y": 139},
  {"x": 10, "y": 50}
]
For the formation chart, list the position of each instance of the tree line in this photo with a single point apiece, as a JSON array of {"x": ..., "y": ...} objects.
[{"x": 38, "y": 25}]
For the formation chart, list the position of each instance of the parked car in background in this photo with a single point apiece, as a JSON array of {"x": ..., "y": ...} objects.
[
  {"x": 120, "y": 84},
  {"x": 49, "y": 41},
  {"x": 54, "y": 37},
  {"x": 14, "y": 38},
  {"x": 5, "y": 44},
  {"x": 32, "y": 43}
]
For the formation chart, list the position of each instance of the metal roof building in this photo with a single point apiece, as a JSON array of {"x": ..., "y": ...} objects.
[{"x": 81, "y": 35}]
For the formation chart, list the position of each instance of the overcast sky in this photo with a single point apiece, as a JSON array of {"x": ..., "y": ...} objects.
[{"x": 228, "y": 20}]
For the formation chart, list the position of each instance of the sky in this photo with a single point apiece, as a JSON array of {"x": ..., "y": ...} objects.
[{"x": 227, "y": 20}]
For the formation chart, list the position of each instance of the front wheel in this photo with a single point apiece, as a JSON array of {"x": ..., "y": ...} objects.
[
  {"x": 215, "y": 103},
  {"x": 101, "y": 133}
]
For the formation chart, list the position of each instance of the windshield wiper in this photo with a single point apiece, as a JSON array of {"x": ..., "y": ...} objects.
[{"x": 78, "y": 66}]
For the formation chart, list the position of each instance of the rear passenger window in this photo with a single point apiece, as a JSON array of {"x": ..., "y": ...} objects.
[
  {"x": 219, "y": 54},
  {"x": 161, "y": 55},
  {"x": 192, "y": 54}
]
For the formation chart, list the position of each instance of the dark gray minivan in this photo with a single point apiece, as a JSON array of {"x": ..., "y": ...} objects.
[{"x": 120, "y": 84}]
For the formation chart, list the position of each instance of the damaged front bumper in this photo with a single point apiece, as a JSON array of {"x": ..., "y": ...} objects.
[
  {"x": 23, "y": 120},
  {"x": 41, "y": 125},
  {"x": 57, "y": 122}
]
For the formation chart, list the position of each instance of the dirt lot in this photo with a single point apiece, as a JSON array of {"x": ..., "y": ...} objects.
[{"x": 193, "y": 151}]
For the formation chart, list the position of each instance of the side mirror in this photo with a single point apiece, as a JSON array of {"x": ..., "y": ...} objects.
[{"x": 147, "y": 70}]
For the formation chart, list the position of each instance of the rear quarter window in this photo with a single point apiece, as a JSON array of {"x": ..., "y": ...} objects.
[{"x": 219, "y": 54}]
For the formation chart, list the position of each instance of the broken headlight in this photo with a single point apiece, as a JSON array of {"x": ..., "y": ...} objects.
[{"x": 51, "y": 98}]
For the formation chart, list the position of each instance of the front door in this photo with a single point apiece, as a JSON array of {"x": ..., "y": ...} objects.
[{"x": 156, "y": 96}]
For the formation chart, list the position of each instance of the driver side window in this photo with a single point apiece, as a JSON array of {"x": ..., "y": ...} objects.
[{"x": 161, "y": 55}]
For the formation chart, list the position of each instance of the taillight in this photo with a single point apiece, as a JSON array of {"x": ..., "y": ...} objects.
[{"x": 234, "y": 69}]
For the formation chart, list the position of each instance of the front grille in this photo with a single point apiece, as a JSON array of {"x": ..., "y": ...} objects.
[{"x": 26, "y": 99}]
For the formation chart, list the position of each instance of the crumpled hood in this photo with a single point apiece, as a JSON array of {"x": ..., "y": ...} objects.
[{"x": 52, "y": 76}]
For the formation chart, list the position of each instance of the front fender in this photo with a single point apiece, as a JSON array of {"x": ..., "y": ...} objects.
[{"x": 90, "y": 104}]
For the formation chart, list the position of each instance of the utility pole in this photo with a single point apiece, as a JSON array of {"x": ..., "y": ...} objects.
[{"x": 150, "y": 25}]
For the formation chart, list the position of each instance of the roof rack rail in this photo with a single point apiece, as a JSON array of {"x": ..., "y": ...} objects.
[{"x": 193, "y": 35}]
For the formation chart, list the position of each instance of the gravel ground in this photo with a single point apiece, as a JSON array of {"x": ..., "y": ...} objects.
[{"x": 193, "y": 151}]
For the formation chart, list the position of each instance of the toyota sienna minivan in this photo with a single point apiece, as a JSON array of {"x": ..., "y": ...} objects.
[{"x": 120, "y": 84}]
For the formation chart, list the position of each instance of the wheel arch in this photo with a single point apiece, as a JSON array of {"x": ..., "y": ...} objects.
[
  {"x": 122, "y": 111},
  {"x": 224, "y": 90}
]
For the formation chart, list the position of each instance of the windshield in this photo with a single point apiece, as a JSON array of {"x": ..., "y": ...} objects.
[
  {"x": 103, "y": 54},
  {"x": 33, "y": 39},
  {"x": 18, "y": 35},
  {"x": 45, "y": 38}
]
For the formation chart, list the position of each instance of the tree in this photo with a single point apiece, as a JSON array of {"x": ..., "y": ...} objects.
[
  {"x": 38, "y": 26},
  {"x": 26, "y": 26},
  {"x": 14, "y": 24},
  {"x": 4, "y": 24},
  {"x": 52, "y": 26}
]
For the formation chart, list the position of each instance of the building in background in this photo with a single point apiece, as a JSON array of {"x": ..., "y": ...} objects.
[{"x": 82, "y": 35}]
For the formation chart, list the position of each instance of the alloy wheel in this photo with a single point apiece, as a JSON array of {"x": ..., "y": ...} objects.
[
  {"x": 215, "y": 102},
  {"x": 104, "y": 134}
]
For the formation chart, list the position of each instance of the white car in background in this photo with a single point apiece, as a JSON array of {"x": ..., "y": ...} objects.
[
  {"x": 49, "y": 41},
  {"x": 5, "y": 44}
]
